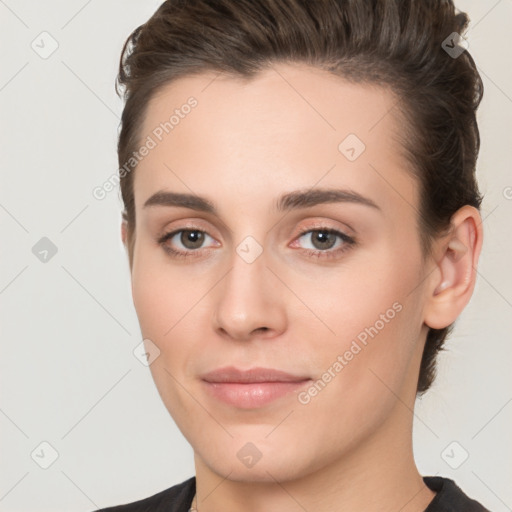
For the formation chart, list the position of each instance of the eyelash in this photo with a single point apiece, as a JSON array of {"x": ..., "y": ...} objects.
[{"x": 327, "y": 254}]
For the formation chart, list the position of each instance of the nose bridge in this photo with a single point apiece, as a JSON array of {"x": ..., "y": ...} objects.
[{"x": 247, "y": 300}]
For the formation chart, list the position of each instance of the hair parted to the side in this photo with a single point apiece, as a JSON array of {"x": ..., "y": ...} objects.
[{"x": 393, "y": 43}]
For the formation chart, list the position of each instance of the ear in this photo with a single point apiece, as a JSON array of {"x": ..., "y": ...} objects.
[
  {"x": 124, "y": 231},
  {"x": 124, "y": 238},
  {"x": 452, "y": 282}
]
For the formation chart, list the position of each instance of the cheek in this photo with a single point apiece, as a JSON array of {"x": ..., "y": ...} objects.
[
  {"x": 163, "y": 303},
  {"x": 162, "y": 294},
  {"x": 361, "y": 370},
  {"x": 153, "y": 304},
  {"x": 170, "y": 302},
  {"x": 374, "y": 322}
]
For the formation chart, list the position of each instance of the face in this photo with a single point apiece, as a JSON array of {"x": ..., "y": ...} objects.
[{"x": 269, "y": 270}]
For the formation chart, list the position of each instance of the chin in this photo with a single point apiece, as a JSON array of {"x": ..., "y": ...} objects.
[
  {"x": 257, "y": 458},
  {"x": 264, "y": 471}
]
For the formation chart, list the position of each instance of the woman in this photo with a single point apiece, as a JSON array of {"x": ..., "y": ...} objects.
[{"x": 302, "y": 224}]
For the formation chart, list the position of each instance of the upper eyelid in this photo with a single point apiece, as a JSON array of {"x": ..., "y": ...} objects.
[
  {"x": 316, "y": 225},
  {"x": 302, "y": 231},
  {"x": 325, "y": 226}
]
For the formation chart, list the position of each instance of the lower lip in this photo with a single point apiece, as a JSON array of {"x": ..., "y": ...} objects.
[{"x": 252, "y": 395}]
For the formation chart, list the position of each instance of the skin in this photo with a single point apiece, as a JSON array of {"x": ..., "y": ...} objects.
[{"x": 243, "y": 146}]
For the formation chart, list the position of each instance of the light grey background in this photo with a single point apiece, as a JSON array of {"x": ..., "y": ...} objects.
[{"x": 68, "y": 374}]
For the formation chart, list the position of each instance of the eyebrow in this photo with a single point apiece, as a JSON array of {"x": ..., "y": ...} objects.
[{"x": 295, "y": 200}]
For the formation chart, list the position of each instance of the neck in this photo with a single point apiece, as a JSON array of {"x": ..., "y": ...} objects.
[{"x": 379, "y": 474}]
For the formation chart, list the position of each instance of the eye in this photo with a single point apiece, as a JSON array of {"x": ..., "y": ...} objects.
[
  {"x": 324, "y": 239},
  {"x": 326, "y": 242},
  {"x": 187, "y": 241}
]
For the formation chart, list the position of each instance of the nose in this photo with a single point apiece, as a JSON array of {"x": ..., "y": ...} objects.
[{"x": 249, "y": 301}]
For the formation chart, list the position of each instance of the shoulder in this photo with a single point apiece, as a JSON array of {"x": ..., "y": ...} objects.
[
  {"x": 450, "y": 497},
  {"x": 174, "y": 499}
]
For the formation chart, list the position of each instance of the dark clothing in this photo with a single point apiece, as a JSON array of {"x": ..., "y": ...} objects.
[{"x": 449, "y": 498}]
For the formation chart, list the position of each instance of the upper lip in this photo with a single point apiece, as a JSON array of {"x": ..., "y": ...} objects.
[{"x": 235, "y": 375}]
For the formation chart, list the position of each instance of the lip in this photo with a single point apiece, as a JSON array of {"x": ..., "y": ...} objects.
[{"x": 253, "y": 388}]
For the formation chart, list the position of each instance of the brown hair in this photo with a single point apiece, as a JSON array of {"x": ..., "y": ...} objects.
[{"x": 394, "y": 43}]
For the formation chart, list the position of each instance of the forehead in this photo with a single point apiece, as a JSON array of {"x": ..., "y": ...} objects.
[{"x": 289, "y": 125}]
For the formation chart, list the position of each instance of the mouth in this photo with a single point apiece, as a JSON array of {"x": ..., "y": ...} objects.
[{"x": 253, "y": 388}]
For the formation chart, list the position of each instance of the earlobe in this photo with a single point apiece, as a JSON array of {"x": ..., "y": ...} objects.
[{"x": 453, "y": 281}]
